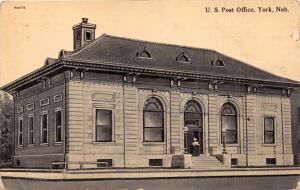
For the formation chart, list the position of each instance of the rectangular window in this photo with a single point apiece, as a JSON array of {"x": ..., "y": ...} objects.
[
  {"x": 44, "y": 128},
  {"x": 104, "y": 163},
  {"x": 271, "y": 161},
  {"x": 88, "y": 36},
  {"x": 155, "y": 162},
  {"x": 229, "y": 129},
  {"x": 30, "y": 130},
  {"x": 57, "y": 98},
  {"x": 20, "y": 132},
  {"x": 103, "y": 125},
  {"x": 153, "y": 126},
  {"x": 269, "y": 130},
  {"x": 44, "y": 102},
  {"x": 58, "y": 126}
]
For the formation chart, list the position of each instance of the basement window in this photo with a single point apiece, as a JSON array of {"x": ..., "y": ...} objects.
[
  {"x": 234, "y": 162},
  {"x": 271, "y": 161},
  {"x": 156, "y": 162},
  {"x": 104, "y": 163}
]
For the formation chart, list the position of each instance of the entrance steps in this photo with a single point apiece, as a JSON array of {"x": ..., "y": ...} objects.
[{"x": 206, "y": 162}]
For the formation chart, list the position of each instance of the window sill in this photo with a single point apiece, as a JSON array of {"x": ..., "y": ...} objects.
[
  {"x": 20, "y": 146},
  {"x": 269, "y": 145},
  {"x": 231, "y": 145},
  {"x": 44, "y": 144},
  {"x": 104, "y": 143},
  {"x": 153, "y": 143},
  {"x": 58, "y": 143},
  {"x": 30, "y": 145}
]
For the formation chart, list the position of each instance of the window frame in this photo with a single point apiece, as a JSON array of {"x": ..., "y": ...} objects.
[
  {"x": 46, "y": 103},
  {"x": 20, "y": 120},
  {"x": 85, "y": 35},
  {"x": 163, "y": 122},
  {"x": 41, "y": 128},
  {"x": 78, "y": 35},
  {"x": 264, "y": 130},
  {"x": 57, "y": 98},
  {"x": 30, "y": 131},
  {"x": 56, "y": 126},
  {"x": 112, "y": 125},
  {"x": 237, "y": 124}
]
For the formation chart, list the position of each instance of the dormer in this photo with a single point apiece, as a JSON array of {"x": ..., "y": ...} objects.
[{"x": 83, "y": 34}]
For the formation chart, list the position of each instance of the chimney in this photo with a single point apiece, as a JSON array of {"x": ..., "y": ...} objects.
[{"x": 83, "y": 33}]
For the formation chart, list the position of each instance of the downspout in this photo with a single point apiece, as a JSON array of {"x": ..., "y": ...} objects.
[
  {"x": 282, "y": 132},
  {"x": 65, "y": 121},
  {"x": 124, "y": 137},
  {"x": 208, "y": 126},
  {"x": 13, "y": 131},
  {"x": 246, "y": 115}
]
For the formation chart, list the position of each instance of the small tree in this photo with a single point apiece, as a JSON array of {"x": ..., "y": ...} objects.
[{"x": 6, "y": 127}]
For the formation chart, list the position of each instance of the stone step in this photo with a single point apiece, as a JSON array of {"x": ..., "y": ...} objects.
[{"x": 206, "y": 162}]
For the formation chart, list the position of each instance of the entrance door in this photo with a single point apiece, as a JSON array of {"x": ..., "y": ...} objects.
[
  {"x": 193, "y": 128},
  {"x": 193, "y": 137}
]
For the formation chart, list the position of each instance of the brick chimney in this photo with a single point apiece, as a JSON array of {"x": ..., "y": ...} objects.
[{"x": 83, "y": 33}]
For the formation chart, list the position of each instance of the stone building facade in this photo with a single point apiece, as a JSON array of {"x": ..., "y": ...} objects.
[{"x": 132, "y": 103}]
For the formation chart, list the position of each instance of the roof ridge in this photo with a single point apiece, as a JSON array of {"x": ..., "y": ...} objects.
[{"x": 159, "y": 43}]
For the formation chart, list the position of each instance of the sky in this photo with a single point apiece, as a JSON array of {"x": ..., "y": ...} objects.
[{"x": 31, "y": 31}]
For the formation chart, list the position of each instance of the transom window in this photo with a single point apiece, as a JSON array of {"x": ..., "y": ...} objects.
[
  {"x": 44, "y": 128},
  {"x": 153, "y": 120},
  {"x": 192, "y": 114},
  {"x": 30, "y": 130},
  {"x": 103, "y": 125},
  {"x": 269, "y": 130},
  {"x": 229, "y": 124}
]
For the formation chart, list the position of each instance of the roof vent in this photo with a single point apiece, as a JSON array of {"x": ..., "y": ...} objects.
[
  {"x": 183, "y": 58},
  {"x": 218, "y": 63},
  {"x": 144, "y": 54}
]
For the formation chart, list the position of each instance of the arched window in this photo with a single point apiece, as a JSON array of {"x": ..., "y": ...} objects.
[
  {"x": 153, "y": 120},
  {"x": 183, "y": 58},
  {"x": 144, "y": 54},
  {"x": 192, "y": 115},
  {"x": 229, "y": 123}
]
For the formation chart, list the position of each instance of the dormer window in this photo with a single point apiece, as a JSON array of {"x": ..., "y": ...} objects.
[
  {"x": 218, "y": 63},
  {"x": 88, "y": 36},
  {"x": 144, "y": 54},
  {"x": 183, "y": 58}
]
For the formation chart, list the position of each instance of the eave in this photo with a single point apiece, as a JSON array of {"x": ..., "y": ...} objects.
[
  {"x": 118, "y": 67},
  {"x": 109, "y": 66},
  {"x": 43, "y": 71}
]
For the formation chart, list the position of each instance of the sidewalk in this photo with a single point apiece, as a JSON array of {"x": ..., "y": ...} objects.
[{"x": 40, "y": 174}]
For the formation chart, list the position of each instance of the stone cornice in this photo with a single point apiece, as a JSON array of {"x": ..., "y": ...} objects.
[{"x": 118, "y": 67}]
